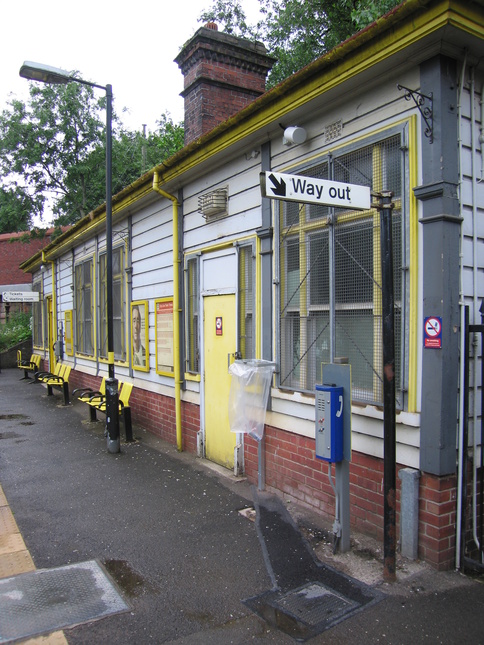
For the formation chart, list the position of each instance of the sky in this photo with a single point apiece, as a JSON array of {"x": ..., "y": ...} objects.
[{"x": 126, "y": 44}]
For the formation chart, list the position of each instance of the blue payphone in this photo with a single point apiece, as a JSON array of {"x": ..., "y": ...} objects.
[{"x": 329, "y": 423}]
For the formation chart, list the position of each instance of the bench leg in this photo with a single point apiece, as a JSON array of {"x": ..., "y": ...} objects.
[
  {"x": 92, "y": 414},
  {"x": 26, "y": 376},
  {"x": 49, "y": 390},
  {"x": 128, "y": 428},
  {"x": 65, "y": 389}
]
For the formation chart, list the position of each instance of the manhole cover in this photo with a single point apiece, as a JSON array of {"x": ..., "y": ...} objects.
[
  {"x": 314, "y": 603},
  {"x": 49, "y": 599}
]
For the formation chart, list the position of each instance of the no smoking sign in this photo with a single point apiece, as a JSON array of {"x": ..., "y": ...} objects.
[{"x": 433, "y": 332}]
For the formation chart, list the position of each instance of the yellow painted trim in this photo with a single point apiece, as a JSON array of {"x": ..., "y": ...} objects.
[
  {"x": 69, "y": 331},
  {"x": 377, "y": 281},
  {"x": 192, "y": 377},
  {"x": 220, "y": 246},
  {"x": 158, "y": 371},
  {"x": 91, "y": 258},
  {"x": 413, "y": 265},
  {"x": 143, "y": 308}
]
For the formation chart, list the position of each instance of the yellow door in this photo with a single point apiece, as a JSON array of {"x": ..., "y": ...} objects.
[{"x": 219, "y": 343}]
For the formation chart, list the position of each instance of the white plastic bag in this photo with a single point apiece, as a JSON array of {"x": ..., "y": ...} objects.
[{"x": 249, "y": 392}]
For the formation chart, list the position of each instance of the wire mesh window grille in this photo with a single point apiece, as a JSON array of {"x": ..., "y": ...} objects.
[
  {"x": 330, "y": 276},
  {"x": 192, "y": 321},
  {"x": 84, "y": 307},
  {"x": 119, "y": 306},
  {"x": 245, "y": 309}
]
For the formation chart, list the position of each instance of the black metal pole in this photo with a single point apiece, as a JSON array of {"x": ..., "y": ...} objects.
[
  {"x": 465, "y": 438},
  {"x": 389, "y": 419},
  {"x": 112, "y": 413},
  {"x": 481, "y": 470}
]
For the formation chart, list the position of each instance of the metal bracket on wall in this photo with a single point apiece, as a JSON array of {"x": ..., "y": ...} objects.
[{"x": 422, "y": 102}]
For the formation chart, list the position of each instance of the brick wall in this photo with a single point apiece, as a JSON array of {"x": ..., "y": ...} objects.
[
  {"x": 293, "y": 470},
  {"x": 437, "y": 514}
]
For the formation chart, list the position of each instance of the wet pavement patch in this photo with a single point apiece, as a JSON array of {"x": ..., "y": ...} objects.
[
  {"x": 307, "y": 597},
  {"x": 46, "y": 600},
  {"x": 128, "y": 580}
]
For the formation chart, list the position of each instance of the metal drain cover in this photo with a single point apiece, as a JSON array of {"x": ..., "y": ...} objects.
[
  {"x": 46, "y": 600},
  {"x": 314, "y": 603}
]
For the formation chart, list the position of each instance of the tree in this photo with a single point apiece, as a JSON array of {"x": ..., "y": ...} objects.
[
  {"x": 52, "y": 154},
  {"x": 294, "y": 32},
  {"x": 45, "y": 145},
  {"x": 16, "y": 210}
]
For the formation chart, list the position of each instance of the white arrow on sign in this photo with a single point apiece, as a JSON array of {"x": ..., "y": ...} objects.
[{"x": 297, "y": 188}]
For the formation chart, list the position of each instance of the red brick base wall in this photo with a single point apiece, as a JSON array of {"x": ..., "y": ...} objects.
[
  {"x": 292, "y": 469},
  {"x": 437, "y": 518}
]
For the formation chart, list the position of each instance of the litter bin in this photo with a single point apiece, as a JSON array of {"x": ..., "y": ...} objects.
[{"x": 249, "y": 392}]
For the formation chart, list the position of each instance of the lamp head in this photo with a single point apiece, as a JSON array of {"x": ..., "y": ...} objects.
[
  {"x": 294, "y": 135},
  {"x": 45, "y": 73}
]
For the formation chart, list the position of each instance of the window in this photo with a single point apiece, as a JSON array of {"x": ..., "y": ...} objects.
[
  {"x": 119, "y": 306},
  {"x": 330, "y": 275},
  {"x": 84, "y": 307},
  {"x": 192, "y": 321},
  {"x": 245, "y": 308},
  {"x": 37, "y": 317}
]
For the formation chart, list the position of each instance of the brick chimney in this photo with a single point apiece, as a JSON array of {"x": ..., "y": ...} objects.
[{"x": 223, "y": 74}]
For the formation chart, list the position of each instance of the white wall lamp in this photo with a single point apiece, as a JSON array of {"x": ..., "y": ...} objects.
[{"x": 294, "y": 135}]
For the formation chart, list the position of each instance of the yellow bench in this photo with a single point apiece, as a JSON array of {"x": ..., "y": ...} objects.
[
  {"x": 58, "y": 378},
  {"x": 28, "y": 366}
]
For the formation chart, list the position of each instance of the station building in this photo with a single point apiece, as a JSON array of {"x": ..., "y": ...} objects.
[{"x": 218, "y": 271}]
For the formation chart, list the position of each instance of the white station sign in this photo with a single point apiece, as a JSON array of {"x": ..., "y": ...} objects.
[
  {"x": 298, "y": 188},
  {"x": 20, "y": 296}
]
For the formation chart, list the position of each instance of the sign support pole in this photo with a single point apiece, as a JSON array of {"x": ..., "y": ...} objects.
[{"x": 389, "y": 419}]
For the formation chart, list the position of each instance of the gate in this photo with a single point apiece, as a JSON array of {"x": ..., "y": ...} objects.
[{"x": 471, "y": 495}]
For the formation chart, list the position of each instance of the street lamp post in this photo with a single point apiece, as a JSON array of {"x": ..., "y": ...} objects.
[{"x": 53, "y": 75}]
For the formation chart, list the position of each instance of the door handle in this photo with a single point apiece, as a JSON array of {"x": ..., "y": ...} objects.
[{"x": 236, "y": 355}]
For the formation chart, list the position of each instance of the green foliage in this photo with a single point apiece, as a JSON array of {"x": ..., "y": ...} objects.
[
  {"x": 15, "y": 331},
  {"x": 52, "y": 154},
  {"x": 16, "y": 210},
  {"x": 295, "y": 32}
]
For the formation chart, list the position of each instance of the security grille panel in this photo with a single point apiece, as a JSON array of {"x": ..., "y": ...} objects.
[{"x": 330, "y": 276}]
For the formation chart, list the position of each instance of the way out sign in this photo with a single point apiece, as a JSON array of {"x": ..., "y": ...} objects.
[{"x": 309, "y": 190}]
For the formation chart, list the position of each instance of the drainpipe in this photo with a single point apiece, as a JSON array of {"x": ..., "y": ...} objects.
[{"x": 176, "y": 308}]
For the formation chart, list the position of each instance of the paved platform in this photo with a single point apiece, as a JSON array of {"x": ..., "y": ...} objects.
[{"x": 169, "y": 530}]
